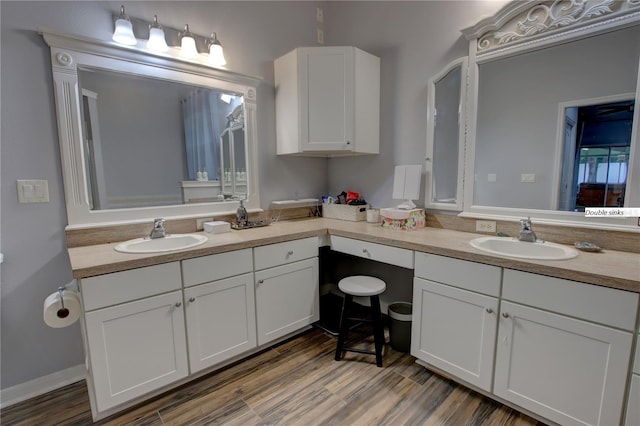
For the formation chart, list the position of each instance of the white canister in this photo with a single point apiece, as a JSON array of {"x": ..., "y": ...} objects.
[{"x": 373, "y": 215}]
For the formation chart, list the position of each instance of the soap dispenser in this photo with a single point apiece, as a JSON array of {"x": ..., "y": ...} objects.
[{"x": 242, "y": 217}]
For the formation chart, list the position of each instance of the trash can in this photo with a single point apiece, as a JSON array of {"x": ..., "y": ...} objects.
[{"x": 400, "y": 326}]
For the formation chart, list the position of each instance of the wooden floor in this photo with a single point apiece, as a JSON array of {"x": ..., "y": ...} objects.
[{"x": 294, "y": 383}]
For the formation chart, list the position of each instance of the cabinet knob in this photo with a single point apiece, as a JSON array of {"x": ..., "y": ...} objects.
[
  {"x": 192, "y": 299},
  {"x": 506, "y": 314},
  {"x": 289, "y": 253},
  {"x": 348, "y": 142},
  {"x": 260, "y": 282},
  {"x": 489, "y": 310},
  {"x": 178, "y": 304},
  {"x": 365, "y": 251}
]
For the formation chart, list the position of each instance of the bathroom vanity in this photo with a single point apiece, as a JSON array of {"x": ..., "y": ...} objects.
[{"x": 202, "y": 308}]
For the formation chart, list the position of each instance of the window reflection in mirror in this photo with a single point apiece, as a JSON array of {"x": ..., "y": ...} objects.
[
  {"x": 597, "y": 144},
  {"x": 151, "y": 142},
  {"x": 519, "y": 118}
]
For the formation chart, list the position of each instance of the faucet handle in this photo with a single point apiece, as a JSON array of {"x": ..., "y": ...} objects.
[
  {"x": 525, "y": 224},
  {"x": 158, "y": 222}
]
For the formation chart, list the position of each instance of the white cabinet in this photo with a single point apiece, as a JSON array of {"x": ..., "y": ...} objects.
[
  {"x": 136, "y": 347},
  {"x": 633, "y": 401},
  {"x": 454, "y": 325},
  {"x": 327, "y": 101},
  {"x": 562, "y": 365},
  {"x": 220, "y": 307},
  {"x": 287, "y": 295},
  {"x": 562, "y": 348}
]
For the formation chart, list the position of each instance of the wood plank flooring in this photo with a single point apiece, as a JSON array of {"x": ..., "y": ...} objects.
[{"x": 294, "y": 383}]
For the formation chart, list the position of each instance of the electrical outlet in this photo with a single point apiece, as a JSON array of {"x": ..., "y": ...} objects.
[
  {"x": 200, "y": 223},
  {"x": 319, "y": 15},
  {"x": 485, "y": 226},
  {"x": 320, "y": 36}
]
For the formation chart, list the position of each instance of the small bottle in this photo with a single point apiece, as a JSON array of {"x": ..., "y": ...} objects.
[
  {"x": 205, "y": 175},
  {"x": 199, "y": 175},
  {"x": 241, "y": 215}
]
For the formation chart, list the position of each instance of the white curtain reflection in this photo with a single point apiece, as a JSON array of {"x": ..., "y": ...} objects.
[{"x": 202, "y": 133}]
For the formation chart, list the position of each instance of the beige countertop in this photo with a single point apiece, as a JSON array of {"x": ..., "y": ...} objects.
[{"x": 609, "y": 268}]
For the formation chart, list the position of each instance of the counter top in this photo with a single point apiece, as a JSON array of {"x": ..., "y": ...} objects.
[{"x": 608, "y": 268}]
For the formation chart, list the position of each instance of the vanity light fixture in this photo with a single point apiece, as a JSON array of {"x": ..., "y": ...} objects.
[
  {"x": 188, "y": 47},
  {"x": 156, "y": 40},
  {"x": 123, "y": 32},
  {"x": 216, "y": 54}
]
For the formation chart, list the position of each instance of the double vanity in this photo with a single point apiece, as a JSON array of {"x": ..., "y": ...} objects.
[{"x": 554, "y": 338}]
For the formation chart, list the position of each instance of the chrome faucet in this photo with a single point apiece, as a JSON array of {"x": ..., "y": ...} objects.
[
  {"x": 526, "y": 231},
  {"x": 158, "y": 229}
]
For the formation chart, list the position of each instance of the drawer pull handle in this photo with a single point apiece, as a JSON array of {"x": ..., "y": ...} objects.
[
  {"x": 192, "y": 299},
  {"x": 365, "y": 251},
  {"x": 506, "y": 314},
  {"x": 489, "y": 310},
  {"x": 178, "y": 304},
  {"x": 289, "y": 253}
]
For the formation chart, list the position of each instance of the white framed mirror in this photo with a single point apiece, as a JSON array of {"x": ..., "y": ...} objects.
[
  {"x": 141, "y": 134},
  {"x": 531, "y": 67},
  {"x": 446, "y": 101}
]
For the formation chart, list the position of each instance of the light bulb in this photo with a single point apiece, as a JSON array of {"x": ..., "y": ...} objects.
[
  {"x": 216, "y": 54},
  {"x": 188, "y": 47},
  {"x": 123, "y": 32},
  {"x": 156, "y": 40}
]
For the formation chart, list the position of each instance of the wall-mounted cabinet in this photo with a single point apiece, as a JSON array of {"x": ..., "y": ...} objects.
[{"x": 327, "y": 102}]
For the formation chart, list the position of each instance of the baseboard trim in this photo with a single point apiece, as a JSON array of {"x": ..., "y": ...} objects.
[{"x": 41, "y": 385}]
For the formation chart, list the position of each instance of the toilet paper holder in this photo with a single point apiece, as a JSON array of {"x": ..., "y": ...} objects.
[{"x": 62, "y": 312}]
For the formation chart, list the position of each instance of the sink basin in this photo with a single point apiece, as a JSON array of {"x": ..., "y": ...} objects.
[
  {"x": 512, "y": 247},
  {"x": 158, "y": 245}
]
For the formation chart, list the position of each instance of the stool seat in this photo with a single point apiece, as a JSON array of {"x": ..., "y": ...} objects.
[{"x": 361, "y": 285}]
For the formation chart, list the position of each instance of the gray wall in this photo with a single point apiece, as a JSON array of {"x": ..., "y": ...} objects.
[{"x": 414, "y": 40}]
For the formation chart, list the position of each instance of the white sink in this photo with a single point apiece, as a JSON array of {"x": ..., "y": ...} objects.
[
  {"x": 158, "y": 245},
  {"x": 512, "y": 247}
]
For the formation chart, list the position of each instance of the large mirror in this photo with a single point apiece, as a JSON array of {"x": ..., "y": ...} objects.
[
  {"x": 554, "y": 129},
  {"x": 150, "y": 142},
  {"x": 145, "y": 136}
]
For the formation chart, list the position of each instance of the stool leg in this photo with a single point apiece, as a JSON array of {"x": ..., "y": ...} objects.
[
  {"x": 378, "y": 328},
  {"x": 344, "y": 326}
]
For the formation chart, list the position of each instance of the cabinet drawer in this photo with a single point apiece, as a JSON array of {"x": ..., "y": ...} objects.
[
  {"x": 471, "y": 276},
  {"x": 118, "y": 287},
  {"x": 378, "y": 252},
  {"x": 283, "y": 253},
  {"x": 616, "y": 308},
  {"x": 216, "y": 267}
]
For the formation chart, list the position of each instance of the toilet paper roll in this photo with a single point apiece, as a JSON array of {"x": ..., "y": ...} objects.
[{"x": 55, "y": 315}]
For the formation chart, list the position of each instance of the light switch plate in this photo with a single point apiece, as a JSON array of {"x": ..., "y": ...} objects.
[
  {"x": 33, "y": 191},
  {"x": 528, "y": 177},
  {"x": 492, "y": 177}
]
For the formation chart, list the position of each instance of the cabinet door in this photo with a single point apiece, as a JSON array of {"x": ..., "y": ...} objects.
[
  {"x": 567, "y": 370},
  {"x": 454, "y": 330},
  {"x": 326, "y": 98},
  {"x": 136, "y": 347},
  {"x": 633, "y": 405},
  {"x": 287, "y": 299},
  {"x": 221, "y": 320}
]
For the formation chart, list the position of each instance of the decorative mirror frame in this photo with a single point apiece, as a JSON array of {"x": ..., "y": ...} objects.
[
  {"x": 431, "y": 135},
  {"x": 521, "y": 27},
  {"x": 70, "y": 51}
]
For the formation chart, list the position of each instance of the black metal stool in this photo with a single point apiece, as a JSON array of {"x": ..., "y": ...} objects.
[{"x": 361, "y": 285}]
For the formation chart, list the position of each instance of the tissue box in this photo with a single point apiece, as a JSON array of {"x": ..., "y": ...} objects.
[
  {"x": 345, "y": 212},
  {"x": 217, "y": 227},
  {"x": 404, "y": 220}
]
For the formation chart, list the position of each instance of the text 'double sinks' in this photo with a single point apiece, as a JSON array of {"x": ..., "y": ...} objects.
[
  {"x": 512, "y": 247},
  {"x": 158, "y": 245}
]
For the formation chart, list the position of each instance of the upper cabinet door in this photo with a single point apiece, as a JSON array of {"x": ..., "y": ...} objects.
[
  {"x": 327, "y": 101},
  {"x": 446, "y": 137},
  {"x": 326, "y": 106}
]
